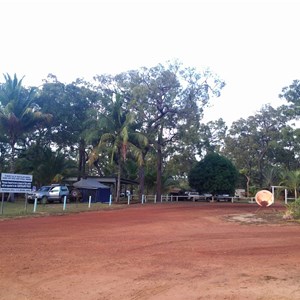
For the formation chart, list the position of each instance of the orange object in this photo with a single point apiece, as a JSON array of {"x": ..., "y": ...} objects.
[{"x": 264, "y": 198}]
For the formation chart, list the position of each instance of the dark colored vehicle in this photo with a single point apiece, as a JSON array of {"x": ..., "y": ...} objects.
[{"x": 224, "y": 197}]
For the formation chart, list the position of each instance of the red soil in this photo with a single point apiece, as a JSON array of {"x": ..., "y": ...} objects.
[{"x": 163, "y": 251}]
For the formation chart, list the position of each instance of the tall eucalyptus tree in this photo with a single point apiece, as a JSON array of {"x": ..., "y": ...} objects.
[
  {"x": 257, "y": 144},
  {"x": 74, "y": 117},
  {"x": 167, "y": 99}
]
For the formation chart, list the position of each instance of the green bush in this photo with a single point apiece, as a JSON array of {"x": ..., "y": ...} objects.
[{"x": 293, "y": 210}]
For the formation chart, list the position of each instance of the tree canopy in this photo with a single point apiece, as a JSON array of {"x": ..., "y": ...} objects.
[
  {"x": 145, "y": 124},
  {"x": 214, "y": 174}
]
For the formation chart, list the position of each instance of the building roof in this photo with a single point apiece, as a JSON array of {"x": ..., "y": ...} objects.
[
  {"x": 89, "y": 183},
  {"x": 104, "y": 180}
]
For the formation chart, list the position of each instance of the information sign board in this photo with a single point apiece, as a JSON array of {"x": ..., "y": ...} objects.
[{"x": 15, "y": 183}]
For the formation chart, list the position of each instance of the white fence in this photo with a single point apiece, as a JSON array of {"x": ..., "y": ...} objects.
[{"x": 172, "y": 198}]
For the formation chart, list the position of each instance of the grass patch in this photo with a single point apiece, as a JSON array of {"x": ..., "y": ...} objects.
[{"x": 19, "y": 209}]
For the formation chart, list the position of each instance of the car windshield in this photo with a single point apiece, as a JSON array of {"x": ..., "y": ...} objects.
[{"x": 44, "y": 188}]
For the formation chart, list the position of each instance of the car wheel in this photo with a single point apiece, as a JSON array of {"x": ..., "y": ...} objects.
[{"x": 44, "y": 200}]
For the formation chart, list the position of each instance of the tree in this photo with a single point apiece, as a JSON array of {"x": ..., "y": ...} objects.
[
  {"x": 168, "y": 99},
  {"x": 214, "y": 174},
  {"x": 212, "y": 136},
  {"x": 291, "y": 180},
  {"x": 116, "y": 124},
  {"x": 18, "y": 112},
  {"x": 75, "y": 107},
  {"x": 291, "y": 94},
  {"x": 45, "y": 165},
  {"x": 259, "y": 142}
]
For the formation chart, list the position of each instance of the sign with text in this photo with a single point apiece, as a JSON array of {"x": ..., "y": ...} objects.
[{"x": 15, "y": 183}]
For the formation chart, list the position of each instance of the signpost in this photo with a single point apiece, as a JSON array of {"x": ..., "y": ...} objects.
[{"x": 14, "y": 183}]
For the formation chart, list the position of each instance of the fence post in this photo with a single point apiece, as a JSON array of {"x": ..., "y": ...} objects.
[
  {"x": 128, "y": 199},
  {"x": 65, "y": 202},
  {"x": 110, "y": 199},
  {"x": 143, "y": 198},
  {"x": 90, "y": 200},
  {"x": 2, "y": 204},
  {"x": 35, "y": 204},
  {"x": 154, "y": 198}
]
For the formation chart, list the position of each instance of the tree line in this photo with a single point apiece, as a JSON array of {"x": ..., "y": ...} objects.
[{"x": 144, "y": 125}]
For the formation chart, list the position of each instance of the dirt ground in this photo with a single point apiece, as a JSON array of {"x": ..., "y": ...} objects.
[{"x": 159, "y": 251}]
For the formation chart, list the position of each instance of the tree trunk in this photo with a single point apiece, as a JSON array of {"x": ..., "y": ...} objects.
[
  {"x": 81, "y": 163},
  {"x": 118, "y": 182},
  {"x": 141, "y": 182},
  {"x": 12, "y": 158},
  {"x": 159, "y": 166},
  {"x": 248, "y": 185}
]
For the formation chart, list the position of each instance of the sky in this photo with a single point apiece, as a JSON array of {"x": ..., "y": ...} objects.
[{"x": 252, "y": 45}]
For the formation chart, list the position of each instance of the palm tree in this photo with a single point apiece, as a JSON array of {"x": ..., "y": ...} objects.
[
  {"x": 117, "y": 137},
  {"x": 291, "y": 180},
  {"x": 18, "y": 114},
  {"x": 45, "y": 165}
]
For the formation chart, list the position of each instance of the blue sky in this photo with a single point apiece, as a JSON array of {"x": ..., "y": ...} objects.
[{"x": 252, "y": 45}]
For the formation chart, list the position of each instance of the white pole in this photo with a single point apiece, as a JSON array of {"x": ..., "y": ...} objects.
[
  {"x": 154, "y": 198},
  {"x": 285, "y": 196},
  {"x": 2, "y": 204},
  {"x": 143, "y": 196},
  {"x": 90, "y": 200},
  {"x": 110, "y": 199},
  {"x": 65, "y": 202},
  {"x": 128, "y": 199},
  {"x": 35, "y": 204}
]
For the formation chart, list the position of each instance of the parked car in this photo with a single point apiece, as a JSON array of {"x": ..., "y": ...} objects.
[
  {"x": 223, "y": 197},
  {"x": 57, "y": 193},
  {"x": 192, "y": 196},
  {"x": 195, "y": 196},
  {"x": 41, "y": 194},
  {"x": 49, "y": 193}
]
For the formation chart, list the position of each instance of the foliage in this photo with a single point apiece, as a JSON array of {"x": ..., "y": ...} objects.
[
  {"x": 214, "y": 174},
  {"x": 260, "y": 142},
  {"x": 45, "y": 165},
  {"x": 291, "y": 180},
  {"x": 18, "y": 113},
  {"x": 117, "y": 136},
  {"x": 293, "y": 210},
  {"x": 168, "y": 101},
  {"x": 162, "y": 137}
]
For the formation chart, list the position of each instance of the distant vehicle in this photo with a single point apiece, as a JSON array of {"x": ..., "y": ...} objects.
[
  {"x": 41, "y": 194},
  {"x": 49, "y": 193},
  {"x": 127, "y": 194},
  {"x": 57, "y": 193},
  {"x": 195, "y": 196},
  {"x": 223, "y": 197}
]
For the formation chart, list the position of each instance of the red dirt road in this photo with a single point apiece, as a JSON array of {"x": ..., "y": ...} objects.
[{"x": 163, "y": 251}]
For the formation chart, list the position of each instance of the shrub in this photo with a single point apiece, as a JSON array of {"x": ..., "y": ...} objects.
[{"x": 293, "y": 210}]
